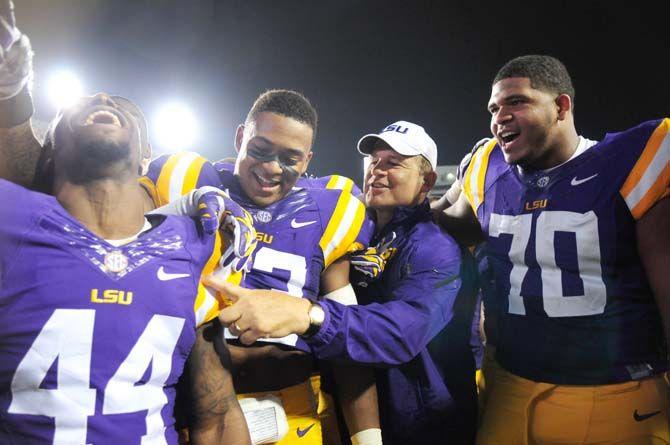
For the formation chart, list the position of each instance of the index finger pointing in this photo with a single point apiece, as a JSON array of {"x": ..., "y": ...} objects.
[{"x": 232, "y": 291}]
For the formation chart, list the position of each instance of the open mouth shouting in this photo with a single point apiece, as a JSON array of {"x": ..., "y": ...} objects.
[
  {"x": 506, "y": 138},
  {"x": 101, "y": 115}
]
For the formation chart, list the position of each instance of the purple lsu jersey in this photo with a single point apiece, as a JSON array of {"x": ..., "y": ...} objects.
[
  {"x": 93, "y": 337},
  {"x": 574, "y": 303},
  {"x": 298, "y": 236}
]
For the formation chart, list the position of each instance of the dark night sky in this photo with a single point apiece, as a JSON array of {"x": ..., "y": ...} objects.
[{"x": 363, "y": 64}]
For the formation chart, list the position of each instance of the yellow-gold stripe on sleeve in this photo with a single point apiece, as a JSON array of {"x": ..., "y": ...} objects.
[
  {"x": 176, "y": 174},
  {"x": 192, "y": 174},
  {"x": 649, "y": 180},
  {"x": 475, "y": 176},
  {"x": 332, "y": 182},
  {"x": 343, "y": 228},
  {"x": 213, "y": 260},
  {"x": 206, "y": 306},
  {"x": 165, "y": 176},
  {"x": 340, "y": 182}
]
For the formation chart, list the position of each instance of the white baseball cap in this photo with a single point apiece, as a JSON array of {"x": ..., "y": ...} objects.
[{"x": 404, "y": 137}]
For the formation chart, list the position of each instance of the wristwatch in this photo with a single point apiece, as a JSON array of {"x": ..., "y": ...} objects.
[{"x": 316, "y": 318}]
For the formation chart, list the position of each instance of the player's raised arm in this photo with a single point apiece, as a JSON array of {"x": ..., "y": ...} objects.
[
  {"x": 215, "y": 414},
  {"x": 19, "y": 148}
]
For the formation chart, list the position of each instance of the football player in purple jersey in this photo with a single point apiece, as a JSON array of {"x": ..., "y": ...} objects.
[
  {"x": 304, "y": 235},
  {"x": 102, "y": 308},
  {"x": 578, "y": 237}
]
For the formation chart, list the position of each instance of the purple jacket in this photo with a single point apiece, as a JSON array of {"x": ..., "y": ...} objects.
[{"x": 413, "y": 324}]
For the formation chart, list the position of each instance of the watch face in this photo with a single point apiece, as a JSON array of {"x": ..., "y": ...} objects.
[{"x": 316, "y": 318}]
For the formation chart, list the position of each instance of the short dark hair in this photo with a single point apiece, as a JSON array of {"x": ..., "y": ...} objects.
[
  {"x": 286, "y": 103},
  {"x": 545, "y": 73}
]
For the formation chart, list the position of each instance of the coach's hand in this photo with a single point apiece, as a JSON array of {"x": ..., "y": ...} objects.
[{"x": 257, "y": 313}]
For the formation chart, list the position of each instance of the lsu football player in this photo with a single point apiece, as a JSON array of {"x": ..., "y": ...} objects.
[
  {"x": 577, "y": 234},
  {"x": 101, "y": 305},
  {"x": 302, "y": 233}
]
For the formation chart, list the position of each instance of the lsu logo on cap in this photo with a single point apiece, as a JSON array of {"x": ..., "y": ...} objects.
[{"x": 397, "y": 128}]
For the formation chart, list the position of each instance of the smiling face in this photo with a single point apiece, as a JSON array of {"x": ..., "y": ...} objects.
[
  {"x": 393, "y": 180},
  {"x": 273, "y": 151},
  {"x": 524, "y": 120},
  {"x": 95, "y": 137}
]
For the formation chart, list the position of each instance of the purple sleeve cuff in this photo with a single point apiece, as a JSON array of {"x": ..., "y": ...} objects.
[{"x": 328, "y": 329}]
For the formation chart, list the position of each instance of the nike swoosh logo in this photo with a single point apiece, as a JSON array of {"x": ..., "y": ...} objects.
[
  {"x": 301, "y": 433},
  {"x": 641, "y": 417},
  {"x": 296, "y": 225},
  {"x": 576, "y": 181},
  {"x": 164, "y": 276}
]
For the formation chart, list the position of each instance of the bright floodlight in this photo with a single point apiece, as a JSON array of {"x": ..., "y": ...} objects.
[
  {"x": 175, "y": 127},
  {"x": 64, "y": 89}
]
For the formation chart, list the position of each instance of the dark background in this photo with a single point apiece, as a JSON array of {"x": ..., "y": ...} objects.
[{"x": 363, "y": 64}]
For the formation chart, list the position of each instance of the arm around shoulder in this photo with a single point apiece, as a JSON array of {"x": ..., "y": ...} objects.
[{"x": 460, "y": 221}]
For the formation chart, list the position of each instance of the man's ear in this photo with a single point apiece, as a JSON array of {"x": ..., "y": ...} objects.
[
  {"x": 239, "y": 135},
  {"x": 429, "y": 180},
  {"x": 564, "y": 105}
]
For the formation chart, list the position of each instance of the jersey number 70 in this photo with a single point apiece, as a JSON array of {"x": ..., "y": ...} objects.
[{"x": 584, "y": 226}]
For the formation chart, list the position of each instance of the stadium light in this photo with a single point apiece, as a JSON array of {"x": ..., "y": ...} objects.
[
  {"x": 175, "y": 127},
  {"x": 64, "y": 88}
]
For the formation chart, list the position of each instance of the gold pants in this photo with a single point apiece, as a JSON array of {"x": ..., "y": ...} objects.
[
  {"x": 309, "y": 411},
  {"x": 523, "y": 412}
]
